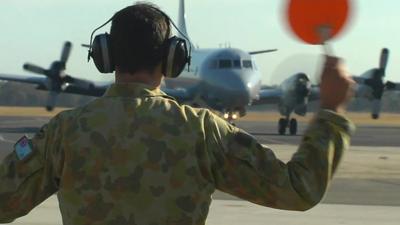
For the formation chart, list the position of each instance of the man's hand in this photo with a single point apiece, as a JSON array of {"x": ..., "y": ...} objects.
[{"x": 337, "y": 87}]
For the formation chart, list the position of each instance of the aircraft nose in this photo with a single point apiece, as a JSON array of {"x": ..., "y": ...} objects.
[
  {"x": 231, "y": 87},
  {"x": 237, "y": 85}
]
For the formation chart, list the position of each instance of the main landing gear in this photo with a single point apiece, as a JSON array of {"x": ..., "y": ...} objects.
[{"x": 285, "y": 123}]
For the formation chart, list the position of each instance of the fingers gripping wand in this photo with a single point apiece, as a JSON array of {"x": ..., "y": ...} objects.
[{"x": 325, "y": 33}]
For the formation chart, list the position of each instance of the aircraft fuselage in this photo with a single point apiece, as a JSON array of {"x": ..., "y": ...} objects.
[{"x": 226, "y": 79}]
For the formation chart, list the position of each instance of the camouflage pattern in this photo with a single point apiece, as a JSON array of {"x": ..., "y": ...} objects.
[{"x": 135, "y": 156}]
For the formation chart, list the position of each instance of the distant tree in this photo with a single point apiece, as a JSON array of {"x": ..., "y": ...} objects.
[{"x": 19, "y": 94}]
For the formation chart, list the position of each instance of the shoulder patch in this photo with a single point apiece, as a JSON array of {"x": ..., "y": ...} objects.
[{"x": 23, "y": 148}]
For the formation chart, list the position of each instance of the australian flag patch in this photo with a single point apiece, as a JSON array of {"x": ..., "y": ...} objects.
[{"x": 23, "y": 148}]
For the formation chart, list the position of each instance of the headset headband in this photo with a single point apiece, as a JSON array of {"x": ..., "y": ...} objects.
[{"x": 158, "y": 10}]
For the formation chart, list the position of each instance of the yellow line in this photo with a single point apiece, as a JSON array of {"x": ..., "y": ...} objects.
[{"x": 28, "y": 111}]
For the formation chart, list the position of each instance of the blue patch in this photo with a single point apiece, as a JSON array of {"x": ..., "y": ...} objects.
[{"x": 23, "y": 148}]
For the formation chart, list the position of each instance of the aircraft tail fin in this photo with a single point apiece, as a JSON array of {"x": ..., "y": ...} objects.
[{"x": 182, "y": 21}]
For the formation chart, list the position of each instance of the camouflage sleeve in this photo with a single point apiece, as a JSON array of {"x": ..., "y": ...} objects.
[
  {"x": 245, "y": 168},
  {"x": 27, "y": 177}
]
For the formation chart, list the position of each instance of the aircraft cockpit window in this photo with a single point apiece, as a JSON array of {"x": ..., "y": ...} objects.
[
  {"x": 237, "y": 64},
  {"x": 225, "y": 64},
  {"x": 247, "y": 64}
]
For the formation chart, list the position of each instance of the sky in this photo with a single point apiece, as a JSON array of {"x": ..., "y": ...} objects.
[{"x": 35, "y": 30}]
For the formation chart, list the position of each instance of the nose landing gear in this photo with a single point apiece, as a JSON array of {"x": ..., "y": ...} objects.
[{"x": 285, "y": 123}]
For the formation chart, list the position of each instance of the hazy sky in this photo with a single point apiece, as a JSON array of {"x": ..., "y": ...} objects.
[{"x": 35, "y": 30}]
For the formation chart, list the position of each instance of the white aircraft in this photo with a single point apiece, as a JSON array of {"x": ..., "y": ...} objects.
[{"x": 223, "y": 79}]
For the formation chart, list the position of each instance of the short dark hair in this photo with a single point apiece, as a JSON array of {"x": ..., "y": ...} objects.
[{"x": 138, "y": 36}]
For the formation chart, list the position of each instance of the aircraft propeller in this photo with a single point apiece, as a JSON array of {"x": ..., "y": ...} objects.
[
  {"x": 57, "y": 79},
  {"x": 377, "y": 84}
]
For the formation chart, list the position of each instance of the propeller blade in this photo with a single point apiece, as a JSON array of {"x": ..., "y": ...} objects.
[
  {"x": 376, "y": 108},
  {"x": 51, "y": 100},
  {"x": 384, "y": 59},
  {"x": 66, "y": 51},
  {"x": 34, "y": 69}
]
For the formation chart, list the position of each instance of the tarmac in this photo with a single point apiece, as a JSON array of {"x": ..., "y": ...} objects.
[{"x": 366, "y": 188}]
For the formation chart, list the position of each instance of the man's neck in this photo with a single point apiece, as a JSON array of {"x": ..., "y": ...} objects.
[{"x": 153, "y": 80}]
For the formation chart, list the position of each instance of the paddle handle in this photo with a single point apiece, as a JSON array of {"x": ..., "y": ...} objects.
[
  {"x": 327, "y": 49},
  {"x": 325, "y": 32}
]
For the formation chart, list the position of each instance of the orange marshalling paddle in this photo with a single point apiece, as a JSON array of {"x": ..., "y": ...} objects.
[{"x": 317, "y": 21}]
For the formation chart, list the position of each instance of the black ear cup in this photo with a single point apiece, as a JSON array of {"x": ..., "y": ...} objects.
[
  {"x": 101, "y": 53},
  {"x": 176, "y": 57}
]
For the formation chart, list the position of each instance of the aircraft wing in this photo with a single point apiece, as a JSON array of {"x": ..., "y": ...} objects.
[
  {"x": 181, "y": 95},
  {"x": 84, "y": 87},
  {"x": 358, "y": 79},
  {"x": 41, "y": 80},
  {"x": 268, "y": 96},
  {"x": 262, "y": 51},
  {"x": 393, "y": 86},
  {"x": 94, "y": 91}
]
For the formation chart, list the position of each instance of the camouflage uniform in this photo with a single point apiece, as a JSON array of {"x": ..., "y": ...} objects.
[{"x": 135, "y": 156}]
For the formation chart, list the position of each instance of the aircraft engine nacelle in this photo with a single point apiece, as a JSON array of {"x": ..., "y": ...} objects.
[
  {"x": 283, "y": 110},
  {"x": 363, "y": 91},
  {"x": 301, "y": 110},
  {"x": 84, "y": 85}
]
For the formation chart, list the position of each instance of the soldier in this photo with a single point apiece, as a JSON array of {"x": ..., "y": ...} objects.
[{"x": 136, "y": 156}]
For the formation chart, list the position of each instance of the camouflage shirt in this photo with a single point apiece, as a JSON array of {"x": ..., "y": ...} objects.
[{"x": 135, "y": 156}]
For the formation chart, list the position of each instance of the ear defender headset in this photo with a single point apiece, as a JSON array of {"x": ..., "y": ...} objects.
[{"x": 175, "y": 52}]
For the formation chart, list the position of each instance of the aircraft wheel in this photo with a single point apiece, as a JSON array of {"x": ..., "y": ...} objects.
[
  {"x": 49, "y": 108},
  {"x": 282, "y": 126},
  {"x": 293, "y": 127}
]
